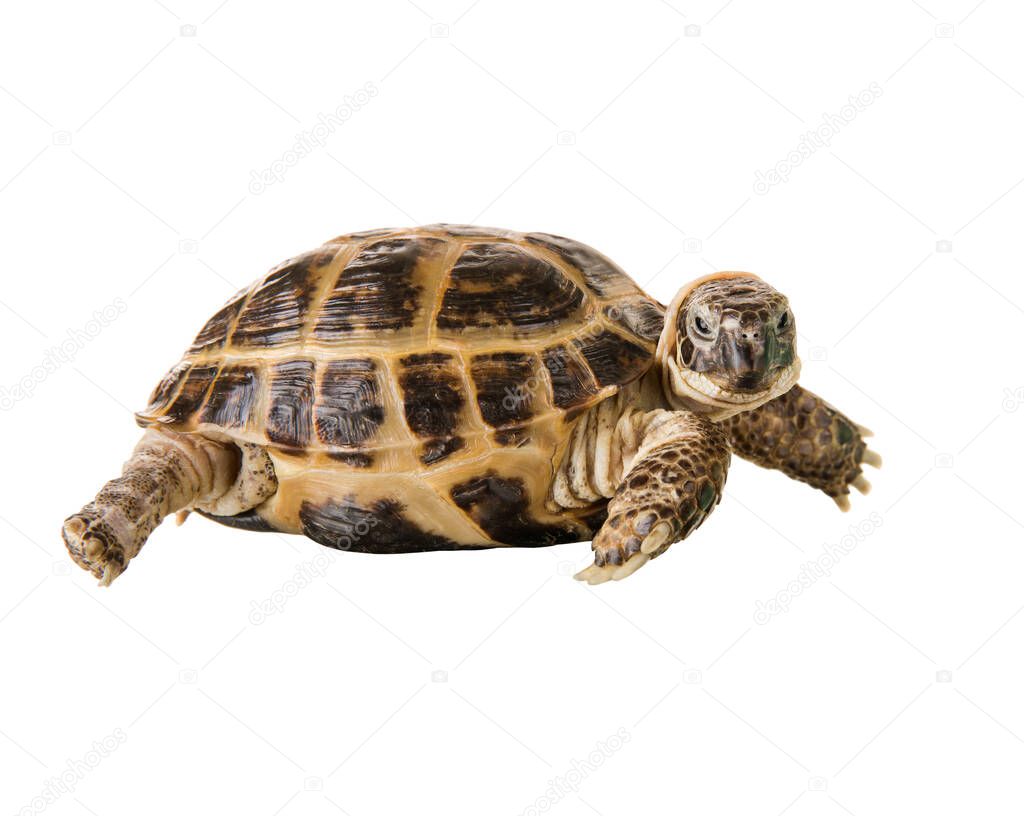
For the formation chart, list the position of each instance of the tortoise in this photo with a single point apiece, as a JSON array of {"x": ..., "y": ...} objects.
[{"x": 458, "y": 387}]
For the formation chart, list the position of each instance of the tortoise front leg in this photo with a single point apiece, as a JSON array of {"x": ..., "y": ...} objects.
[
  {"x": 808, "y": 440},
  {"x": 674, "y": 482}
]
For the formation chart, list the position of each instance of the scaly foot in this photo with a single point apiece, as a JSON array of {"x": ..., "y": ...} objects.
[
  {"x": 94, "y": 546},
  {"x": 856, "y": 477}
]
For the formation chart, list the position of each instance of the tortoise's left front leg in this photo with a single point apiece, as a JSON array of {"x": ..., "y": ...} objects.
[
  {"x": 672, "y": 484},
  {"x": 808, "y": 440}
]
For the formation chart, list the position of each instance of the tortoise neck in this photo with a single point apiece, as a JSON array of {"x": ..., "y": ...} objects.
[
  {"x": 605, "y": 441},
  {"x": 650, "y": 392}
]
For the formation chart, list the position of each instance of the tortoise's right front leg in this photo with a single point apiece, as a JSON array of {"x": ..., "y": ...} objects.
[
  {"x": 167, "y": 472},
  {"x": 674, "y": 482}
]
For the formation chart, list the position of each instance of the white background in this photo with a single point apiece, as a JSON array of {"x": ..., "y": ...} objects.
[{"x": 892, "y": 686}]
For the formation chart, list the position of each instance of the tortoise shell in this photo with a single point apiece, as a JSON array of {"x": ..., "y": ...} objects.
[{"x": 421, "y": 383}]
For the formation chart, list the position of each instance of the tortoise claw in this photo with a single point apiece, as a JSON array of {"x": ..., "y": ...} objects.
[
  {"x": 93, "y": 547},
  {"x": 594, "y": 575},
  {"x": 653, "y": 544},
  {"x": 656, "y": 539},
  {"x": 867, "y": 457},
  {"x": 631, "y": 566},
  {"x": 871, "y": 458},
  {"x": 110, "y": 572}
]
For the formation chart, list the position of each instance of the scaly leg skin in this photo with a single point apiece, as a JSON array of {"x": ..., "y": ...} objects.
[
  {"x": 674, "y": 483},
  {"x": 167, "y": 472},
  {"x": 807, "y": 439}
]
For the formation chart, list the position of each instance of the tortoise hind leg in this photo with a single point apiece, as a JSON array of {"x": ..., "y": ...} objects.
[{"x": 167, "y": 472}]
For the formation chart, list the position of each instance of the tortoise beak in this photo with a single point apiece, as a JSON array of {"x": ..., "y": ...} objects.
[{"x": 752, "y": 356}]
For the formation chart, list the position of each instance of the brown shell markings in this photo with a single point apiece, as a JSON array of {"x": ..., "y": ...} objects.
[{"x": 439, "y": 362}]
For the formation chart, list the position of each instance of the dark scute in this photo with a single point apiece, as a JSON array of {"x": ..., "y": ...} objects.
[
  {"x": 349, "y": 410},
  {"x": 165, "y": 389},
  {"x": 601, "y": 275},
  {"x": 247, "y": 520},
  {"x": 232, "y": 398},
  {"x": 356, "y": 460},
  {"x": 276, "y": 310},
  {"x": 613, "y": 359},
  {"x": 501, "y": 284},
  {"x": 517, "y": 436},
  {"x": 432, "y": 392},
  {"x": 375, "y": 291},
  {"x": 292, "y": 392},
  {"x": 436, "y": 450},
  {"x": 192, "y": 393},
  {"x": 501, "y": 508},
  {"x": 572, "y": 383},
  {"x": 379, "y": 528},
  {"x": 641, "y": 317},
  {"x": 214, "y": 334},
  {"x": 437, "y": 358},
  {"x": 505, "y": 386}
]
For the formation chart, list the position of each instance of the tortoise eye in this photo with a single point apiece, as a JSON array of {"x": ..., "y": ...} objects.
[
  {"x": 784, "y": 320},
  {"x": 700, "y": 324}
]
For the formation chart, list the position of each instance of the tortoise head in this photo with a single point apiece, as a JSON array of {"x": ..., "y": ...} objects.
[{"x": 728, "y": 345}]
